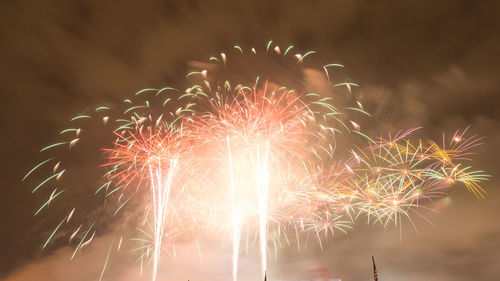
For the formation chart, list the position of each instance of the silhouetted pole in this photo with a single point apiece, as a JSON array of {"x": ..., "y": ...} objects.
[{"x": 375, "y": 275}]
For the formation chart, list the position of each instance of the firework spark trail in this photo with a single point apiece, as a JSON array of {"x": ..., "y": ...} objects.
[
  {"x": 235, "y": 216},
  {"x": 262, "y": 177},
  {"x": 241, "y": 201},
  {"x": 160, "y": 188}
]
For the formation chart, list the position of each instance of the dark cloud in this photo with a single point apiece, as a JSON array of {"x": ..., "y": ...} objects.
[{"x": 433, "y": 64}]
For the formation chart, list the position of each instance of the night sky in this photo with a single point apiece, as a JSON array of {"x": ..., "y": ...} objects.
[{"x": 434, "y": 64}]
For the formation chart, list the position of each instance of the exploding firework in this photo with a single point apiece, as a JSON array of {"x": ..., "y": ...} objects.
[{"x": 248, "y": 148}]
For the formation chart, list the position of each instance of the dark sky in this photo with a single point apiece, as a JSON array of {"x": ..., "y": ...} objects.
[{"x": 429, "y": 63}]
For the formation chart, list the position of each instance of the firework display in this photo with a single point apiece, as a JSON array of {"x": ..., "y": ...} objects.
[{"x": 248, "y": 150}]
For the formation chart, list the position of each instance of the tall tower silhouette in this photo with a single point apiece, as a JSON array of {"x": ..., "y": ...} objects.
[{"x": 375, "y": 275}]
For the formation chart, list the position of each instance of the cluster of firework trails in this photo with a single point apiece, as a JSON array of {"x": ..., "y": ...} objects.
[{"x": 247, "y": 150}]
